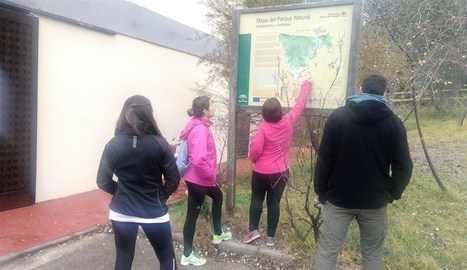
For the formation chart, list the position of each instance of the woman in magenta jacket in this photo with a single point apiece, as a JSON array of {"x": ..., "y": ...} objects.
[
  {"x": 200, "y": 177},
  {"x": 269, "y": 152}
]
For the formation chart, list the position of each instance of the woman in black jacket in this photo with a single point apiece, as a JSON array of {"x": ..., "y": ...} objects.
[{"x": 140, "y": 158}]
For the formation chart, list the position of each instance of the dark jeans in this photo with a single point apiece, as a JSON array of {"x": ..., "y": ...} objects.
[
  {"x": 273, "y": 185},
  {"x": 196, "y": 195},
  {"x": 159, "y": 235}
]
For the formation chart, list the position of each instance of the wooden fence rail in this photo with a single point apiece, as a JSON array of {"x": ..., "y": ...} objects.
[{"x": 404, "y": 97}]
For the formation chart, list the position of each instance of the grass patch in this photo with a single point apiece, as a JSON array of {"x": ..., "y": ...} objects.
[
  {"x": 426, "y": 230},
  {"x": 426, "y": 227},
  {"x": 436, "y": 127}
]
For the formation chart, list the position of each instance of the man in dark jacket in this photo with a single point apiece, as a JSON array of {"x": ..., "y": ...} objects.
[{"x": 363, "y": 164}]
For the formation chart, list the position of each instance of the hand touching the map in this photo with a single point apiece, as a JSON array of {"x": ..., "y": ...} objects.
[{"x": 306, "y": 85}]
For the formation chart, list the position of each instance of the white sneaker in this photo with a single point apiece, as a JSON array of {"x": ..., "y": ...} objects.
[
  {"x": 224, "y": 236},
  {"x": 270, "y": 241},
  {"x": 194, "y": 259}
]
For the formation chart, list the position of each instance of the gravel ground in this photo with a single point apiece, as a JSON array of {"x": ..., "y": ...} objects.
[
  {"x": 449, "y": 160},
  {"x": 213, "y": 253}
]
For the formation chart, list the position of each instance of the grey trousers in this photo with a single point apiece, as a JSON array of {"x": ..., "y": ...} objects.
[{"x": 336, "y": 220}]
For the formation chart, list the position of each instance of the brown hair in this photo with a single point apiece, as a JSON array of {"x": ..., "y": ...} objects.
[
  {"x": 137, "y": 113},
  {"x": 272, "y": 110},
  {"x": 198, "y": 106},
  {"x": 374, "y": 84}
]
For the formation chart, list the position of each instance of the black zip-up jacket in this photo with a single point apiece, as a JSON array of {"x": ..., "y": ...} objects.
[
  {"x": 363, "y": 160},
  {"x": 146, "y": 171}
]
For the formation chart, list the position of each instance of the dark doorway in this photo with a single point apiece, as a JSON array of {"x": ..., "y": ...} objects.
[{"x": 18, "y": 108}]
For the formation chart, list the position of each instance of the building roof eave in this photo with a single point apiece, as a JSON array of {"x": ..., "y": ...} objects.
[{"x": 125, "y": 18}]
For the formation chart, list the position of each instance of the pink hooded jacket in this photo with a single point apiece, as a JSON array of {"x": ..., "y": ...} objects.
[
  {"x": 269, "y": 149},
  {"x": 202, "y": 155}
]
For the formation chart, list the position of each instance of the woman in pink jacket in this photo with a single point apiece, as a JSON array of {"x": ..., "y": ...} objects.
[
  {"x": 269, "y": 152},
  {"x": 200, "y": 177}
]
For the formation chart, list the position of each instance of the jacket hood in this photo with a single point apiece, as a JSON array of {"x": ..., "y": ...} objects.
[
  {"x": 367, "y": 108},
  {"x": 195, "y": 121}
]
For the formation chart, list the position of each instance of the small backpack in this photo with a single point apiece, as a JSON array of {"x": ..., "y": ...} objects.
[{"x": 182, "y": 158}]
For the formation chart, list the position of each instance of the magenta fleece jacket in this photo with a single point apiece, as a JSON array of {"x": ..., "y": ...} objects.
[
  {"x": 269, "y": 149},
  {"x": 202, "y": 156}
]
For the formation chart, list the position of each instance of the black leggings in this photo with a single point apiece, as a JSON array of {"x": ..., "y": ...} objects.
[
  {"x": 196, "y": 195},
  {"x": 273, "y": 185},
  {"x": 159, "y": 235}
]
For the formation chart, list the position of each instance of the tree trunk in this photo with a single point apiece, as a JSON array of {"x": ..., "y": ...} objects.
[
  {"x": 425, "y": 149},
  {"x": 463, "y": 118}
]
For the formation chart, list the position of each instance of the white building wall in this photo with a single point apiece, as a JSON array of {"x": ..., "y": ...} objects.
[{"x": 84, "y": 77}]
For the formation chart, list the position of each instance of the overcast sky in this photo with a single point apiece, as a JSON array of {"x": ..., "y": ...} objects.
[{"x": 188, "y": 12}]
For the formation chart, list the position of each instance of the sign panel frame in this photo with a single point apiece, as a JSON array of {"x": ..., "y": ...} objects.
[
  {"x": 276, "y": 48},
  {"x": 238, "y": 76}
]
